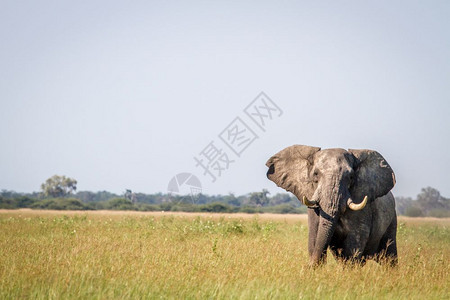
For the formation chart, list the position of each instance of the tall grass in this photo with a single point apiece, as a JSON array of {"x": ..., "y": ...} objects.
[{"x": 50, "y": 255}]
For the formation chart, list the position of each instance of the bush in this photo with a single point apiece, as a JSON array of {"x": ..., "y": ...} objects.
[
  {"x": 24, "y": 201},
  {"x": 60, "y": 204},
  {"x": 166, "y": 206},
  {"x": 216, "y": 207},
  {"x": 13, "y": 203},
  {"x": 413, "y": 211},
  {"x": 250, "y": 210},
  {"x": 6, "y": 203},
  {"x": 439, "y": 213},
  {"x": 119, "y": 204},
  {"x": 285, "y": 209},
  {"x": 184, "y": 207},
  {"x": 147, "y": 207}
]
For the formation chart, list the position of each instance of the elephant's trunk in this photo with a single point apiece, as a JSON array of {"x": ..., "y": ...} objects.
[
  {"x": 326, "y": 228},
  {"x": 333, "y": 195}
]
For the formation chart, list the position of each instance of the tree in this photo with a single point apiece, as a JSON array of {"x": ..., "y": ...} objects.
[
  {"x": 130, "y": 196},
  {"x": 231, "y": 199},
  {"x": 403, "y": 203},
  {"x": 58, "y": 186},
  {"x": 259, "y": 198},
  {"x": 430, "y": 199}
]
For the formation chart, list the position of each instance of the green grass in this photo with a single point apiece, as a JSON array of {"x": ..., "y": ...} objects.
[{"x": 106, "y": 256}]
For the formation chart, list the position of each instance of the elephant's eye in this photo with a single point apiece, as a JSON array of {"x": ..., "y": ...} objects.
[
  {"x": 316, "y": 176},
  {"x": 351, "y": 177}
]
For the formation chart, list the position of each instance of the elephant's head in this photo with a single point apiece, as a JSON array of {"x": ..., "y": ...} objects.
[{"x": 330, "y": 181}]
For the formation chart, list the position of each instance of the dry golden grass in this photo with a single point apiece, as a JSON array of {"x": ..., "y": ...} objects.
[
  {"x": 115, "y": 213},
  {"x": 107, "y": 255}
]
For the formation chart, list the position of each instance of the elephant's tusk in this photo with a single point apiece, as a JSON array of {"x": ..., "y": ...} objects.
[
  {"x": 354, "y": 206},
  {"x": 309, "y": 203}
]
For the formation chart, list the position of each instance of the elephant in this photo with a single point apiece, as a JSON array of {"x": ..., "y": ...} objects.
[{"x": 351, "y": 209}]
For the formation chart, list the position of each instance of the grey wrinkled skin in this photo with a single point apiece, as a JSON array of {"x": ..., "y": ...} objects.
[{"x": 331, "y": 177}]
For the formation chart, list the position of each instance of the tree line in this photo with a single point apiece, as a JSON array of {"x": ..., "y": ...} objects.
[
  {"x": 59, "y": 193},
  {"x": 257, "y": 202},
  {"x": 428, "y": 203}
]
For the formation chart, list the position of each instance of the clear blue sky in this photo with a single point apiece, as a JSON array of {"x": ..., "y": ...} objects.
[{"x": 125, "y": 95}]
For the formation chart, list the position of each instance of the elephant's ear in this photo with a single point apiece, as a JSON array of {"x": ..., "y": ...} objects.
[
  {"x": 374, "y": 177},
  {"x": 290, "y": 169}
]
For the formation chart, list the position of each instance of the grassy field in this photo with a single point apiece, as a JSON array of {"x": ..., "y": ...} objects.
[{"x": 108, "y": 255}]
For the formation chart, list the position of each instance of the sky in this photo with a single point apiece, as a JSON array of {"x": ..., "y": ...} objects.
[{"x": 126, "y": 96}]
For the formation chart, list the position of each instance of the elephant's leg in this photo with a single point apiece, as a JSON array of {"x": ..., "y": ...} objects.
[
  {"x": 337, "y": 245},
  {"x": 354, "y": 244},
  {"x": 387, "y": 251},
  {"x": 337, "y": 253},
  {"x": 313, "y": 224}
]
